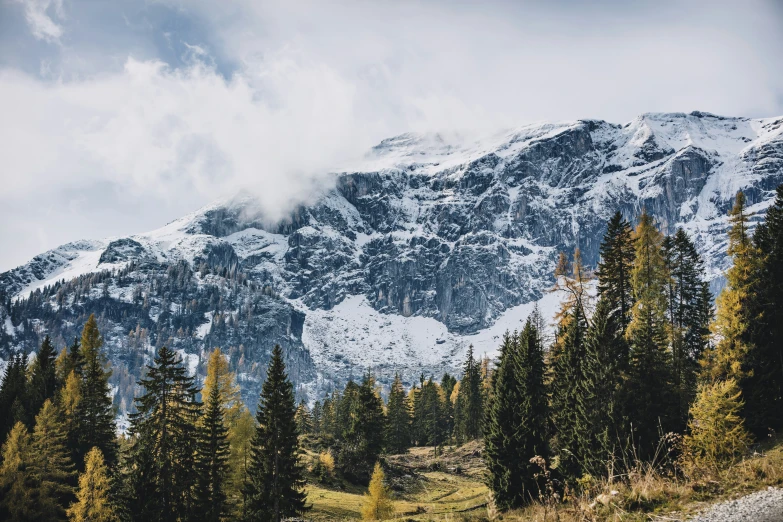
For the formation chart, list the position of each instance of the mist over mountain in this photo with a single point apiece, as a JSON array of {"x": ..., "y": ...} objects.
[{"x": 431, "y": 243}]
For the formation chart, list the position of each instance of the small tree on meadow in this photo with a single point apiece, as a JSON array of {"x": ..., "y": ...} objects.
[{"x": 377, "y": 504}]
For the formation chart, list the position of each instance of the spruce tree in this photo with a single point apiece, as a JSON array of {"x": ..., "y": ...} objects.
[
  {"x": 566, "y": 359},
  {"x": 470, "y": 407},
  {"x": 363, "y": 440},
  {"x": 447, "y": 385},
  {"x": 650, "y": 365},
  {"x": 275, "y": 486},
  {"x": 93, "y": 502},
  {"x": 163, "y": 443},
  {"x": 600, "y": 404},
  {"x": 317, "y": 414},
  {"x": 614, "y": 270},
  {"x": 689, "y": 314},
  {"x": 304, "y": 419},
  {"x": 515, "y": 429},
  {"x": 398, "y": 419},
  {"x": 43, "y": 379},
  {"x": 94, "y": 412},
  {"x": 12, "y": 395},
  {"x": 212, "y": 453},
  {"x": 763, "y": 386}
]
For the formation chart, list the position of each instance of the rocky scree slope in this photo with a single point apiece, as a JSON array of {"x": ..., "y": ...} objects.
[{"x": 430, "y": 243}]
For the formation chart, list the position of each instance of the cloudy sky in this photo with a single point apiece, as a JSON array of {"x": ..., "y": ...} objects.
[{"x": 118, "y": 116}]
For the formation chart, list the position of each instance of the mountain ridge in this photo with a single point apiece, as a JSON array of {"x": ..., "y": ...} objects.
[{"x": 431, "y": 242}]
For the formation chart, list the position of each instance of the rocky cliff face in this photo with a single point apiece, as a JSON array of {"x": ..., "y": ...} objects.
[{"x": 431, "y": 243}]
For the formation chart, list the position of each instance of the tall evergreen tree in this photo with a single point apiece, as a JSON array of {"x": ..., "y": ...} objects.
[
  {"x": 566, "y": 359},
  {"x": 601, "y": 398},
  {"x": 163, "y": 443},
  {"x": 470, "y": 407},
  {"x": 398, "y": 419},
  {"x": 51, "y": 461},
  {"x": 304, "y": 419},
  {"x": 515, "y": 429},
  {"x": 447, "y": 384},
  {"x": 12, "y": 395},
  {"x": 689, "y": 314},
  {"x": 650, "y": 368},
  {"x": 728, "y": 360},
  {"x": 614, "y": 269},
  {"x": 94, "y": 412},
  {"x": 43, "y": 379},
  {"x": 275, "y": 487},
  {"x": 212, "y": 453},
  {"x": 763, "y": 387}
]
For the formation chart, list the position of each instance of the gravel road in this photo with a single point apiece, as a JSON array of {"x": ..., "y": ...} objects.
[{"x": 762, "y": 506}]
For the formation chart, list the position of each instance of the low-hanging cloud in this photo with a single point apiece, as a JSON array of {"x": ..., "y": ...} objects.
[
  {"x": 273, "y": 130},
  {"x": 268, "y": 96}
]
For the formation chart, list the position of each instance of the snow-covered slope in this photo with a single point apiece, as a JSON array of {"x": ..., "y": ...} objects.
[{"x": 430, "y": 243}]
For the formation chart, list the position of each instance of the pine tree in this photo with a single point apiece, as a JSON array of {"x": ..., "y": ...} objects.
[
  {"x": 650, "y": 365},
  {"x": 238, "y": 421},
  {"x": 398, "y": 419},
  {"x": 689, "y": 314},
  {"x": 728, "y": 360},
  {"x": 317, "y": 414},
  {"x": 566, "y": 359},
  {"x": 304, "y": 419},
  {"x": 12, "y": 395},
  {"x": 94, "y": 412},
  {"x": 763, "y": 387},
  {"x": 377, "y": 503},
  {"x": 51, "y": 464},
  {"x": 240, "y": 437},
  {"x": 363, "y": 441},
  {"x": 212, "y": 453},
  {"x": 163, "y": 445},
  {"x": 614, "y": 270},
  {"x": 43, "y": 379},
  {"x": 600, "y": 395},
  {"x": 70, "y": 396},
  {"x": 275, "y": 487},
  {"x": 470, "y": 405},
  {"x": 515, "y": 429},
  {"x": 93, "y": 502},
  {"x": 447, "y": 384}
]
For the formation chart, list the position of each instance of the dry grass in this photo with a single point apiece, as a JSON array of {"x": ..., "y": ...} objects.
[{"x": 449, "y": 487}]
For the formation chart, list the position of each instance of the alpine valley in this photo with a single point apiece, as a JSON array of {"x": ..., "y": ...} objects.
[{"x": 431, "y": 243}]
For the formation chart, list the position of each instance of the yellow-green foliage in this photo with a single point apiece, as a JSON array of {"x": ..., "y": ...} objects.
[
  {"x": 731, "y": 321},
  {"x": 93, "y": 495},
  {"x": 717, "y": 436},
  {"x": 377, "y": 505},
  {"x": 327, "y": 461}
]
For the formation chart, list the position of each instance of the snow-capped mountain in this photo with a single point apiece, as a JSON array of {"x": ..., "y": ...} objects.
[{"x": 431, "y": 243}]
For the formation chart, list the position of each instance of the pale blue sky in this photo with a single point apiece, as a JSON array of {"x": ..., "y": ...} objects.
[{"x": 119, "y": 116}]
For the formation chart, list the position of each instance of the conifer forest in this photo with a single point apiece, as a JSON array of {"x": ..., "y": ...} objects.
[{"x": 645, "y": 366}]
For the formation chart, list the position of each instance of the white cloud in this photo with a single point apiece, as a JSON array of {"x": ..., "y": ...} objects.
[
  {"x": 86, "y": 154},
  {"x": 39, "y": 15},
  {"x": 272, "y": 129}
]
